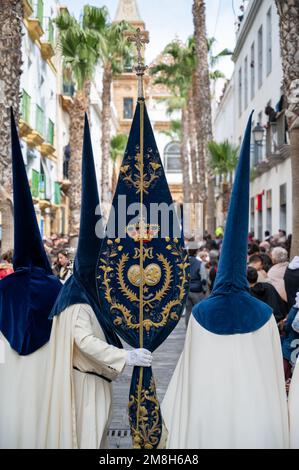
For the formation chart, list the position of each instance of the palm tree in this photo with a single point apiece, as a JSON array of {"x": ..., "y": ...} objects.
[
  {"x": 202, "y": 102},
  {"x": 79, "y": 48},
  {"x": 117, "y": 148},
  {"x": 288, "y": 11},
  {"x": 115, "y": 51},
  {"x": 223, "y": 160},
  {"x": 11, "y": 14},
  {"x": 176, "y": 74}
]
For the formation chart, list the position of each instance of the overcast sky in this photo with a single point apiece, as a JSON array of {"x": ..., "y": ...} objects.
[{"x": 167, "y": 19}]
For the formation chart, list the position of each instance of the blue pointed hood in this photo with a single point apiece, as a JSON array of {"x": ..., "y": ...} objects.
[
  {"x": 81, "y": 286},
  {"x": 231, "y": 309},
  {"x": 28, "y": 295}
]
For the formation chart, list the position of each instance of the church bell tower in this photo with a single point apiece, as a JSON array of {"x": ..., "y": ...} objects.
[{"x": 125, "y": 85}]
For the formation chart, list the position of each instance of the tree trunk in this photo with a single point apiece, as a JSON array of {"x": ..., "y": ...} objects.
[
  {"x": 106, "y": 121},
  {"x": 185, "y": 157},
  {"x": 193, "y": 147},
  {"x": 11, "y": 14},
  {"x": 77, "y": 110},
  {"x": 204, "y": 101},
  {"x": 288, "y": 11}
]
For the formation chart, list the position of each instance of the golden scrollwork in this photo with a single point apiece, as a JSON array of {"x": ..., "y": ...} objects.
[
  {"x": 149, "y": 175},
  {"x": 152, "y": 272},
  {"x": 147, "y": 432}
]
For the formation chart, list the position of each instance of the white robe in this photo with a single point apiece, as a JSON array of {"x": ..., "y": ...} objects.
[
  {"x": 228, "y": 391},
  {"x": 77, "y": 405},
  {"x": 294, "y": 408},
  {"x": 22, "y": 380}
]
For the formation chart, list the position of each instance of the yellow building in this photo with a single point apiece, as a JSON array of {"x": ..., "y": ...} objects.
[{"x": 125, "y": 97}]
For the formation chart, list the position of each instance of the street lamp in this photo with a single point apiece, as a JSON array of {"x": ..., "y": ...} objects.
[{"x": 258, "y": 133}]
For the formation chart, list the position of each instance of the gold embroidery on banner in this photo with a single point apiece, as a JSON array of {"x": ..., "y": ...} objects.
[
  {"x": 147, "y": 434},
  {"x": 111, "y": 266}
]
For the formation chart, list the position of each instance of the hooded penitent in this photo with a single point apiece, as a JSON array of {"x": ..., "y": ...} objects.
[
  {"x": 143, "y": 268},
  {"x": 228, "y": 388},
  {"x": 80, "y": 288},
  {"x": 28, "y": 295},
  {"x": 231, "y": 309}
]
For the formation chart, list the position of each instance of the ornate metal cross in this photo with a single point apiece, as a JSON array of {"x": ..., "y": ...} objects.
[{"x": 140, "y": 38}]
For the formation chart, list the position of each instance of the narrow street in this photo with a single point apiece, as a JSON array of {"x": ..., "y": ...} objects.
[{"x": 165, "y": 360}]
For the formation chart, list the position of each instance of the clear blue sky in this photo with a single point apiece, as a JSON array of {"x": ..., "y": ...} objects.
[{"x": 167, "y": 19}]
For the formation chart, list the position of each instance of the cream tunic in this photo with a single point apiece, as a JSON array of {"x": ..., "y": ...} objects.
[
  {"x": 228, "y": 391},
  {"x": 77, "y": 405},
  {"x": 45, "y": 402}
]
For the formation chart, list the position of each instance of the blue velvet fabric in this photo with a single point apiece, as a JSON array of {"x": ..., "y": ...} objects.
[
  {"x": 119, "y": 288},
  {"x": 81, "y": 286},
  {"x": 28, "y": 295},
  {"x": 231, "y": 309}
]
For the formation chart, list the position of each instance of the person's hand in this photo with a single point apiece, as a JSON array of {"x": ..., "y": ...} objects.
[
  {"x": 139, "y": 357},
  {"x": 297, "y": 300}
]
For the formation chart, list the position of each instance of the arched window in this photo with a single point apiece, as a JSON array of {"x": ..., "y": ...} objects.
[{"x": 172, "y": 158}]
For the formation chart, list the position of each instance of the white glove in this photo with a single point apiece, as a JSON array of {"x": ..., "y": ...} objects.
[
  {"x": 139, "y": 357},
  {"x": 297, "y": 300}
]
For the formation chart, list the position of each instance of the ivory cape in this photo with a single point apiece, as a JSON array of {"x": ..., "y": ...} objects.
[
  {"x": 228, "y": 391},
  {"x": 77, "y": 405}
]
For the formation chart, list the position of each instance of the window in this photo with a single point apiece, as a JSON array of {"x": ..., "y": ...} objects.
[
  {"x": 240, "y": 91},
  {"x": 40, "y": 11},
  {"x": 252, "y": 71},
  {"x": 172, "y": 158},
  {"x": 128, "y": 108},
  {"x": 26, "y": 102},
  {"x": 252, "y": 215},
  {"x": 260, "y": 56},
  {"x": 42, "y": 184},
  {"x": 269, "y": 41},
  {"x": 57, "y": 193},
  {"x": 245, "y": 82},
  {"x": 283, "y": 206},
  {"x": 50, "y": 136},
  {"x": 269, "y": 210},
  {"x": 39, "y": 120},
  {"x": 35, "y": 183},
  {"x": 51, "y": 32}
]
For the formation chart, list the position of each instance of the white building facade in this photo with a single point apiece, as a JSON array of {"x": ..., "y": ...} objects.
[
  {"x": 42, "y": 143},
  {"x": 257, "y": 83}
]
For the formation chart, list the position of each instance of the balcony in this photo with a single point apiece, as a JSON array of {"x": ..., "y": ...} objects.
[
  {"x": 35, "y": 29},
  {"x": 47, "y": 50},
  {"x": 28, "y": 8},
  {"x": 34, "y": 139},
  {"x": 24, "y": 128},
  {"x": 276, "y": 147},
  {"x": 47, "y": 149}
]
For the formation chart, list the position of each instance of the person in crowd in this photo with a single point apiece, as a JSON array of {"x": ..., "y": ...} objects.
[
  {"x": 62, "y": 267},
  {"x": 266, "y": 293},
  {"x": 6, "y": 266},
  {"x": 276, "y": 273},
  {"x": 267, "y": 236},
  {"x": 253, "y": 249},
  {"x": 282, "y": 236},
  {"x": 256, "y": 261},
  {"x": 203, "y": 256},
  {"x": 265, "y": 247},
  {"x": 198, "y": 280},
  {"x": 291, "y": 281},
  {"x": 267, "y": 262}
]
